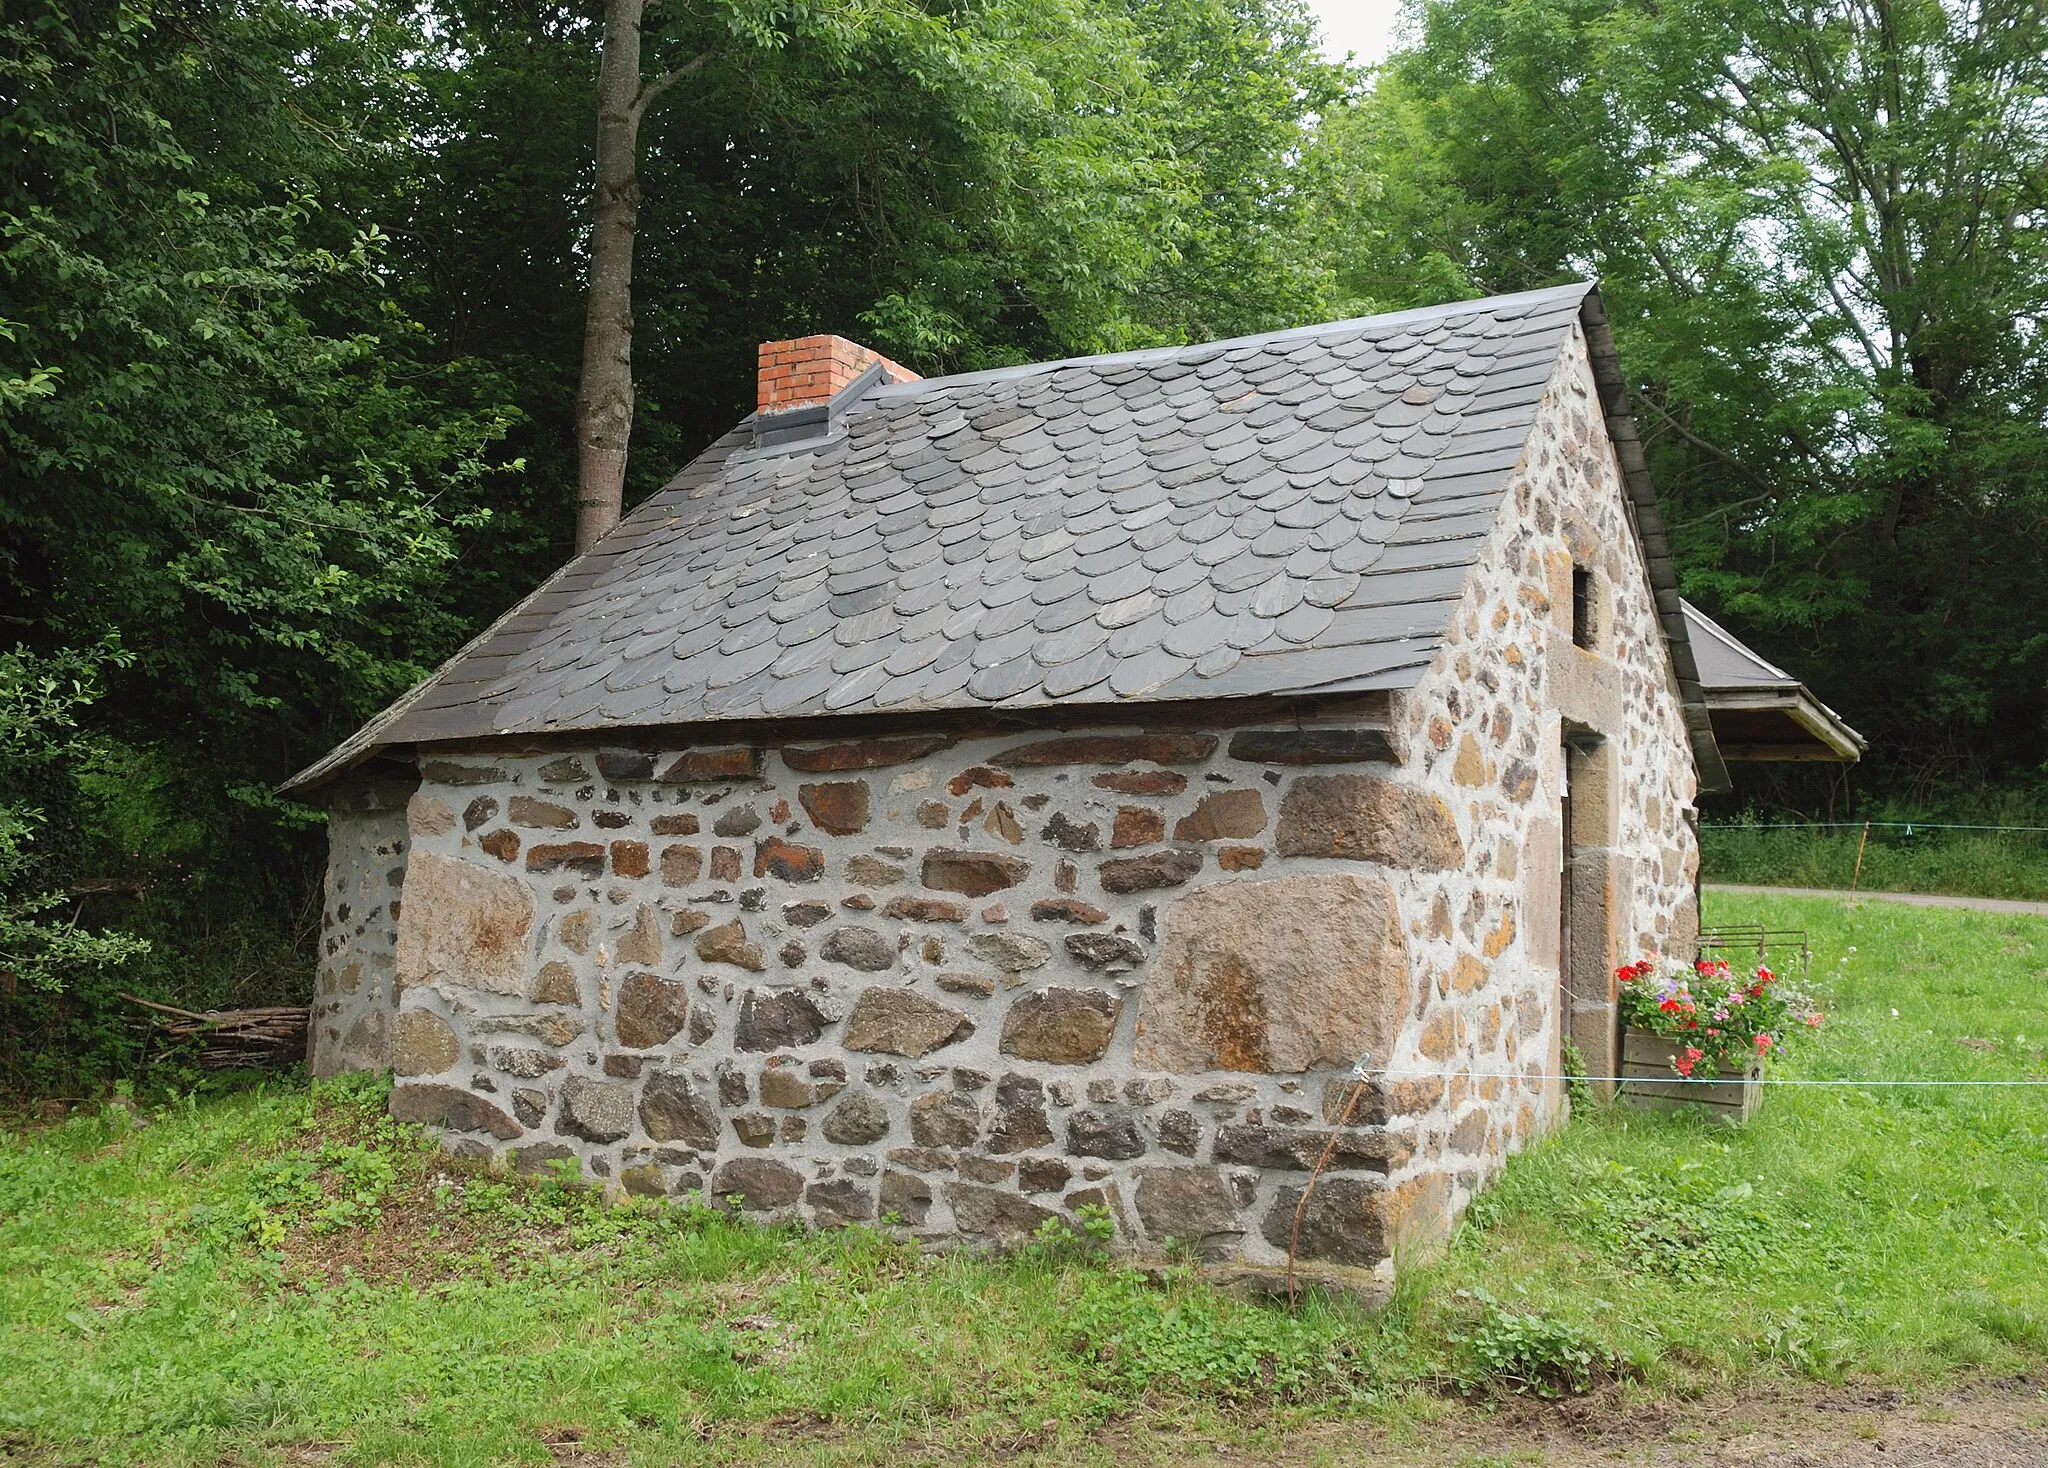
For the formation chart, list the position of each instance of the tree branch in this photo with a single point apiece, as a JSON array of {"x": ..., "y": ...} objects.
[
  {"x": 651, "y": 93},
  {"x": 1877, "y": 360},
  {"x": 1700, "y": 443}
]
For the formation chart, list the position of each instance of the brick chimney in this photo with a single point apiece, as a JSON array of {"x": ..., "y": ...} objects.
[{"x": 810, "y": 369}]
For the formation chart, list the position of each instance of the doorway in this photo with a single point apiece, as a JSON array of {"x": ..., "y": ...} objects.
[{"x": 1585, "y": 992}]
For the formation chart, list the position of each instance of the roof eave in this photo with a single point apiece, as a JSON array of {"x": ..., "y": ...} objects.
[{"x": 1834, "y": 739}]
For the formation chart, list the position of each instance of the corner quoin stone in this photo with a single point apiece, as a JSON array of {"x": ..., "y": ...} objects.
[
  {"x": 1276, "y": 977},
  {"x": 464, "y": 925},
  {"x": 1366, "y": 818},
  {"x": 1345, "y": 1222}
]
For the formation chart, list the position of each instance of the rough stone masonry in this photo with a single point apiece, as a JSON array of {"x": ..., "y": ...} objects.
[{"x": 969, "y": 982}]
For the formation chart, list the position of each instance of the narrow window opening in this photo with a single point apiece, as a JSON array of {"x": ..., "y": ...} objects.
[{"x": 1582, "y": 607}]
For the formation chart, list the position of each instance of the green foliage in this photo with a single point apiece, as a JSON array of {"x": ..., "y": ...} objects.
[
  {"x": 1187, "y": 1339},
  {"x": 225, "y": 451},
  {"x": 1679, "y": 1221},
  {"x": 1520, "y": 1351},
  {"x": 39, "y": 700},
  {"x": 1817, "y": 227},
  {"x": 1572, "y": 1060},
  {"x": 1057, "y": 1242},
  {"x": 1920, "y": 857}
]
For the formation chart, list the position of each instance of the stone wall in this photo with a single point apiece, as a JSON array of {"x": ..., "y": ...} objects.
[
  {"x": 353, "y": 996},
  {"x": 975, "y": 984},
  {"x": 979, "y": 981},
  {"x": 1486, "y": 728}
]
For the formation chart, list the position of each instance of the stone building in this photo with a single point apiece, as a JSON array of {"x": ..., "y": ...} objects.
[{"x": 963, "y": 801}]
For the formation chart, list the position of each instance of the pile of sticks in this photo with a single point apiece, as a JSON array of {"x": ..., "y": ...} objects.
[{"x": 234, "y": 1039}]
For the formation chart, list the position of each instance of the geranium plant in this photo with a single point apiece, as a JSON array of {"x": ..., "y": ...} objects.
[{"x": 1720, "y": 1020}]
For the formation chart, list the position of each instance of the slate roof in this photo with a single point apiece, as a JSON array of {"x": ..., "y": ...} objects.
[
  {"x": 1725, "y": 663},
  {"x": 1735, "y": 678},
  {"x": 1282, "y": 514}
]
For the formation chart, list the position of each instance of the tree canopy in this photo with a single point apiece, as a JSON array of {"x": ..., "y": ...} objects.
[{"x": 1822, "y": 229}]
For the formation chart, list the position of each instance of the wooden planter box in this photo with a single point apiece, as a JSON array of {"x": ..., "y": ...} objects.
[{"x": 1648, "y": 1080}]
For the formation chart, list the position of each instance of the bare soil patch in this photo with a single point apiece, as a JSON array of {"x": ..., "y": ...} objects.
[{"x": 1994, "y": 1424}]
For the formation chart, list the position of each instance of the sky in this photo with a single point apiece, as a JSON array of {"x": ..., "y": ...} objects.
[{"x": 1363, "y": 26}]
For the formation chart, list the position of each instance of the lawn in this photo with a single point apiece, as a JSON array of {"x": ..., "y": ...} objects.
[{"x": 278, "y": 1276}]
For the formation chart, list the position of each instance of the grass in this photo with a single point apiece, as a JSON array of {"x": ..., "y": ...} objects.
[
  {"x": 1899, "y": 1233},
  {"x": 283, "y": 1276},
  {"x": 2011, "y": 864}
]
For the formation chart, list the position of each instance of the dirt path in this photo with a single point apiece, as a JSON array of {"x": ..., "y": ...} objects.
[
  {"x": 1913, "y": 899},
  {"x": 1992, "y": 1425}
]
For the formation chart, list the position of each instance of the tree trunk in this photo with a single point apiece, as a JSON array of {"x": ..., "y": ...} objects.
[{"x": 604, "y": 405}]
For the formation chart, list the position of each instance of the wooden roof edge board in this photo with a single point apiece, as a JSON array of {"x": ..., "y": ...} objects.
[
  {"x": 1811, "y": 754},
  {"x": 1365, "y": 707},
  {"x": 1799, "y": 705},
  {"x": 1648, "y": 523}
]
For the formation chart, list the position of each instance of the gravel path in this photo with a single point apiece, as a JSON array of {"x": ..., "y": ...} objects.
[{"x": 1913, "y": 899}]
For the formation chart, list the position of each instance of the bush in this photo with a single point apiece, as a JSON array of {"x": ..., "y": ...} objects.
[{"x": 43, "y": 950}]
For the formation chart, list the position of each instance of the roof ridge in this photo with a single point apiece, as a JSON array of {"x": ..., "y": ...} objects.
[{"x": 1144, "y": 356}]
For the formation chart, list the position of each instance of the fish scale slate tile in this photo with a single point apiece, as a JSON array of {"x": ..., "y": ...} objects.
[{"x": 1087, "y": 532}]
